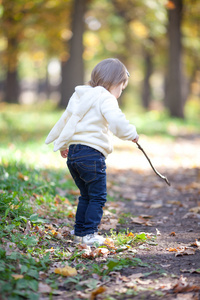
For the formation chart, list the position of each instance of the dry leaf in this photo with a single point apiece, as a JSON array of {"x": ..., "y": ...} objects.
[
  {"x": 174, "y": 202},
  {"x": 28, "y": 228},
  {"x": 158, "y": 232},
  {"x": 130, "y": 234},
  {"x": 66, "y": 271},
  {"x": 156, "y": 205},
  {"x": 185, "y": 251},
  {"x": 182, "y": 251},
  {"x": 182, "y": 286},
  {"x": 88, "y": 253},
  {"x": 109, "y": 243},
  {"x": 109, "y": 224},
  {"x": 74, "y": 192},
  {"x": 141, "y": 220},
  {"x": 23, "y": 177},
  {"x": 195, "y": 210},
  {"x": 196, "y": 244},
  {"x": 172, "y": 233},
  {"x": 191, "y": 271},
  {"x": 97, "y": 291},
  {"x": 44, "y": 288},
  {"x": 147, "y": 281},
  {"x": 17, "y": 276}
]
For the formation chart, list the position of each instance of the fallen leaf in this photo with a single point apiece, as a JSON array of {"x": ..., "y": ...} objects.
[
  {"x": 17, "y": 276},
  {"x": 141, "y": 220},
  {"x": 172, "y": 233},
  {"x": 183, "y": 286},
  {"x": 165, "y": 266},
  {"x": 174, "y": 202},
  {"x": 156, "y": 205},
  {"x": 182, "y": 251},
  {"x": 147, "y": 281},
  {"x": 195, "y": 210},
  {"x": 97, "y": 291},
  {"x": 74, "y": 192},
  {"x": 88, "y": 253},
  {"x": 173, "y": 249},
  {"x": 23, "y": 177},
  {"x": 44, "y": 288},
  {"x": 130, "y": 234},
  {"x": 158, "y": 232},
  {"x": 28, "y": 228},
  {"x": 109, "y": 224},
  {"x": 66, "y": 271},
  {"x": 191, "y": 215},
  {"x": 191, "y": 271},
  {"x": 196, "y": 244},
  {"x": 109, "y": 243},
  {"x": 186, "y": 251}
]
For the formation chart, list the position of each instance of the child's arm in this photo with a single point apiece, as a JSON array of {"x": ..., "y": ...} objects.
[
  {"x": 117, "y": 121},
  {"x": 64, "y": 153}
]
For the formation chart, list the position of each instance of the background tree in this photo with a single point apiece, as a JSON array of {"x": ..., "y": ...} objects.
[
  {"x": 73, "y": 68},
  {"x": 174, "y": 83},
  {"x": 29, "y": 27}
]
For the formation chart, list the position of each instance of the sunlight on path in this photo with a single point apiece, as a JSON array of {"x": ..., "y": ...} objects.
[{"x": 163, "y": 153}]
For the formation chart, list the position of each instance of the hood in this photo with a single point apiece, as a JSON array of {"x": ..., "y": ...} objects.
[{"x": 83, "y": 99}]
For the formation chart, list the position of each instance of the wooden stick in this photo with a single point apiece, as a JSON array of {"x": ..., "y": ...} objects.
[{"x": 157, "y": 173}]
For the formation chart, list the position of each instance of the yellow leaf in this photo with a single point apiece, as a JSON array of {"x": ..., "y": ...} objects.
[
  {"x": 66, "y": 271},
  {"x": 97, "y": 291},
  {"x": 130, "y": 234},
  {"x": 17, "y": 276},
  {"x": 109, "y": 243}
]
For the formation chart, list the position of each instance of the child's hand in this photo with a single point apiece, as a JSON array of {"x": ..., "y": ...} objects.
[
  {"x": 136, "y": 139},
  {"x": 64, "y": 153}
]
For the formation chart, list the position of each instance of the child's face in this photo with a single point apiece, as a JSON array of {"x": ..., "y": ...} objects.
[{"x": 117, "y": 89}]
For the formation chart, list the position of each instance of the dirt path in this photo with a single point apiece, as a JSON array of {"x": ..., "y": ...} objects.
[{"x": 172, "y": 214}]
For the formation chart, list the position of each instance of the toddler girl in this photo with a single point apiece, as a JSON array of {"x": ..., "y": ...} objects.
[{"x": 82, "y": 135}]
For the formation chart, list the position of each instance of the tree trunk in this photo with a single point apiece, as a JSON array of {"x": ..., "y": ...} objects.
[
  {"x": 146, "y": 87},
  {"x": 174, "y": 87},
  {"x": 72, "y": 70},
  {"x": 11, "y": 93}
]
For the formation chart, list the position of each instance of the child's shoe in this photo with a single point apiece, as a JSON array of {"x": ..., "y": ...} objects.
[
  {"x": 78, "y": 239},
  {"x": 72, "y": 232},
  {"x": 92, "y": 238}
]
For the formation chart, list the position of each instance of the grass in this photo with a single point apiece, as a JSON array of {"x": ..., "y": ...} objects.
[{"x": 38, "y": 200}]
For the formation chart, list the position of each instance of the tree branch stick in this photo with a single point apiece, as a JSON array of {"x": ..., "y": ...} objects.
[{"x": 157, "y": 173}]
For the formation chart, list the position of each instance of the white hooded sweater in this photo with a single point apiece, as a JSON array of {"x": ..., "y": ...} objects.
[{"x": 90, "y": 113}]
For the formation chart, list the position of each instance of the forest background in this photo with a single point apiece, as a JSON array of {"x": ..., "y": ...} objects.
[{"x": 48, "y": 47}]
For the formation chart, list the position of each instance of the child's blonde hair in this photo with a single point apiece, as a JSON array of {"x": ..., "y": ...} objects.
[{"x": 109, "y": 72}]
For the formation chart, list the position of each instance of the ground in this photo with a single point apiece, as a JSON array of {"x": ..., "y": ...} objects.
[
  {"x": 143, "y": 202},
  {"x": 171, "y": 213},
  {"x": 155, "y": 228}
]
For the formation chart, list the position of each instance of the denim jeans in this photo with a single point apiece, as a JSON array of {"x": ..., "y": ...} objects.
[{"x": 88, "y": 169}]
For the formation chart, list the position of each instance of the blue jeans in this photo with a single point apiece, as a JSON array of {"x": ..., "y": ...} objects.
[{"x": 88, "y": 169}]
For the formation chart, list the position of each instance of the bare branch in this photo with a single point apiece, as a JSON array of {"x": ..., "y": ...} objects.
[{"x": 157, "y": 173}]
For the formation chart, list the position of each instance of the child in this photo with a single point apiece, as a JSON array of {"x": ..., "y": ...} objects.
[{"x": 82, "y": 135}]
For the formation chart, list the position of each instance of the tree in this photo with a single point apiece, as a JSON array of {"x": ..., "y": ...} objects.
[
  {"x": 29, "y": 26},
  {"x": 73, "y": 68},
  {"x": 12, "y": 31},
  {"x": 174, "y": 84}
]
